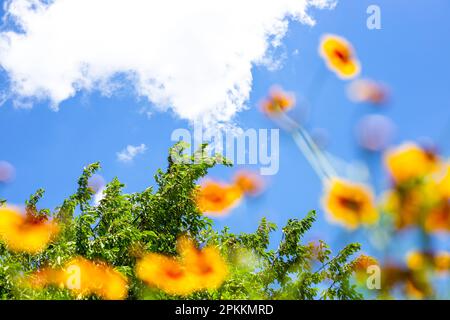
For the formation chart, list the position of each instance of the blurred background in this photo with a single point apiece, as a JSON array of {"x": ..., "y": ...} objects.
[{"x": 409, "y": 56}]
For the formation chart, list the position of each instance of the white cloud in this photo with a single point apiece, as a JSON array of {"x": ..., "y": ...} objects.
[
  {"x": 193, "y": 56},
  {"x": 130, "y": 152},
  {"x": 99, "y": 196}
]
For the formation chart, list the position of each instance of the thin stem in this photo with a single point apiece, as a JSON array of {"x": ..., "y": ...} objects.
[
  {"x": 317, "y": 159},
  {"x": 318, "y": 153},
  {"x": 299, "y": 140}
]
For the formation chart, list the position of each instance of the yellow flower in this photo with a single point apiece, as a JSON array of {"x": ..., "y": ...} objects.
[
  {"x": 416, "y": 260},
  {"x": 249, "y": 182},
  {"x": 339, "y": 56},
  {"x": 363, "y": 262},
  {"x": 110, "y": 284},
  {"x": 84, "y": 278},
  {"x": 166, "y": 273},
  {"x": 409, "y": 162},
  {"x": 361, "y": 266},
  {"x": 195, "y": 270},
  {"x": 438, "y": 218},
  {"x": 406, "y": 207},
  {"x": 392, "y": 275},
  {"x": 277, "y": 102},
  {"x": 444, "y": 183},
  {"x": 349, "y": 204},
  {"x": 217, "y": 198},
  {"x": 207, "y": 265},
  {"x": 415, "y": 291},
  {"x": 25, "y": 233},
  {"x": 442, "y": 261}
]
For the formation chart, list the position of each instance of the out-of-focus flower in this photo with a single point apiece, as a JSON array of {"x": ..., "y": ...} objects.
[
  {"x": 438, "y": 218},
  {"x": 416, "y": 290},
  {"x": 363, "y": 262},
  {"x": 25, "y": 233},
  {"x": 277, "y": 102},
  {"x": 217, "y": 198},
  {"x": 207, "y": 265},
  {"x": 361, "y": 267},
  {"x": 339, "y": 56},
  {"x": 414, "y": 283},
  {"x": 444, "y": 183},
  {"x": 392, "y": 274},
  {"x": 195, "y": 270},
  {"x": 420, "y": 263},
  {"x": 418, "y": 204},
  {"x": 166, "y": 273},
  {"x": 406, "y": 206},
  {"x": 349, "y": 204},
  {"x": 367, "y": 91},
  {"x": 442, "y": 261},
  {"x": 409, "y": 161},
  {"x": 374, "y": 132},
  {"x": 416, "y": 260},
  {"x": 7, "y": 172},
  {"x": 249, "y": 182},
  {"x": 84, "y": 278}
]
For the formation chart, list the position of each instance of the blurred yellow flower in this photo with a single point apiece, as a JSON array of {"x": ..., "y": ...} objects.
[
  {"x": 339, "y": 56},
  {"x": 363, "y": 262},
  {"x": 277, "y": 102},
  {"x": 166, "y": 273},
  {"x": 415, "y": 291},
  {"x": 409, "y": 161},
  {"x": 361, "y": 266},
  {"x": 25, "y": 233},
  {"x": 84, "y": 278},
  {"x": 406, "y": 207},
  {"x": 416, "y": 260},
  {"x": 438, "y": 218},
  {"x": 442, "y": 261},
  {"x": 217, "y": 198},
  {"x": 207, "y": 265},
  {"x": 349, "y": 204},
  {"x": 419, "y": 205},
  {"x": 250, "y": 183},
  {"x": 444, "y": 183},
  {"x": 195, "y": 270}
]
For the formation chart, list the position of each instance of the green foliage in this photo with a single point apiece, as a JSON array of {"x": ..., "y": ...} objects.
[{"x": 123, "y": 224}]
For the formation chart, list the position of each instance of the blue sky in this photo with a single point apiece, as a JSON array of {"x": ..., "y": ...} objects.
[{"x": 410, "y": 54}]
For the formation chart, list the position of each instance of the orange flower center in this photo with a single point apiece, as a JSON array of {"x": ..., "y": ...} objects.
[
  {"x": 174, "y": 273},
  {"x": 351, "y": 204},
  {"x": 215, "y": 197},
  {"x": 342, "y": 55},
  {"x": 431, "y": 156},
  {"x": 206, "y": 269},
  {"x": 29, "y": 225}
]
